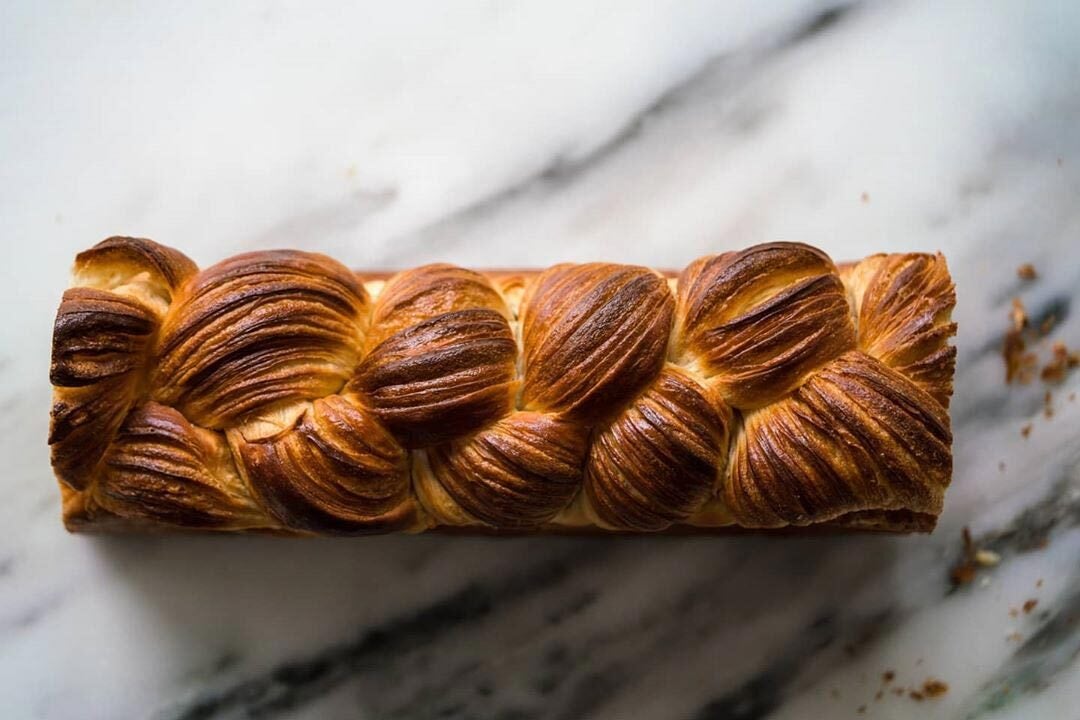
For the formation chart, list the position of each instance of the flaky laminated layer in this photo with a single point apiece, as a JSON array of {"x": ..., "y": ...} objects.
[{"x": 281, "y": 392}]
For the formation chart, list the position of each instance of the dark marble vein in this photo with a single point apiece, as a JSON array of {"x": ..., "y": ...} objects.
[
  {"x": 293, "y": 684},
  {"x": 564, "y": 169},
  {"x": 763, "y": 692},
  {"x": 1051, "y": 651}
]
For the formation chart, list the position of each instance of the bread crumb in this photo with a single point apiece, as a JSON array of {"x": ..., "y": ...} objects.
[
  {"x": 1018, "y": 314},
  {"x": 1061, "y": 361},
  {"x": 1048, "y": 405},
  {"x": 1001, "y": 466},
  {"x": 877, "y": 696},
  {"x": 987, "y": 558},
  {"x": 1039, "y": 583},
  {"x": 1026, "y": 272},
  {"x": 861, "y": 710},
  {"x": 915, "y": 695},
  {"x": 964, "y": 571},
  {"x": 898, "y": 691},
  {"x": 1014, "y": 612},
  {"x": 888, "y": 676},
  {"x": 1026, "y": 430},
  {"x": 1014, "y": 636},
  {"x": 1029, "y": 605},
  {"x": 932, "y": 688},
  {"x": 865, "y": 197}
]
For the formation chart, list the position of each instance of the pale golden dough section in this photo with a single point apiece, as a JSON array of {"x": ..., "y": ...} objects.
[{"x": 759, "y": 389}]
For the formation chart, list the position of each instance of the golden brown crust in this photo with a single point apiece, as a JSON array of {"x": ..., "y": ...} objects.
[
  {"x": 857, "y": 436},
  {"x": 256, "y": 330},
  {"x": 413, "y": 296},
  {"x": 448, "y": 375},
  {"x": 659, "y": 460},
  {"x": 762, "y": 389},
  {"x": 338, "y": 471},
  {"x": 134, "y": 265},
  {"x": 594, "y": 335},
  {"x": 162, "y": 469},
  {"x": 519, "y": 472},
  {"x": 757, "y": 322},
  {"x": 905, "y": 305}
]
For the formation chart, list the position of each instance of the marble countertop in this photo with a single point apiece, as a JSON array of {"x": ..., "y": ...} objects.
[{"x": 514, "y": 134}]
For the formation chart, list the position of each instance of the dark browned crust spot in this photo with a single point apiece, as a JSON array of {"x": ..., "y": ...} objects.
[{"x": 98, "y": 360}]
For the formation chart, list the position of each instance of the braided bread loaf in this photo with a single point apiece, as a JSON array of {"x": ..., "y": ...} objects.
[{"x": 281, "y": 392}]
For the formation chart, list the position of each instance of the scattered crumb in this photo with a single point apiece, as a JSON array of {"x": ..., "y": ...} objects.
[
  {"x": 1018, "y": 314},
  {"x": 1026, "y": 430},
  {"x": 915, "y": 695},
  {"x": 865, "y": 197},
  {"x": 1060, "y": 363},
  {"x": 1072, "y": 397},
  {"x": 877, "y": 696},
  {"x": 1019, "y": 365},
  {"x": 861, "y": 710},
  {"x": 888, "y": 676},
  {"x": 898, "y": 691},
  {"x": 1029, "y": 605},
  {"x": 1001, "y": 466},
  {"x": 1026, "y": 272},
  {"x": 1039, "y": 583},
  {"x": 919, "y": 661},
  {"x": 964, "y": 571},
  {"x": 932, "y": 688},
  {"x": 1014, "y": 636},
  {"x": 1014, "y": 612},
  {"x": 1048, "y": 405},
  {"x": 987, "y": 558}
]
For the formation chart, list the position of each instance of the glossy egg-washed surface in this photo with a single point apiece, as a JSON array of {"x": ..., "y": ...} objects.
[{"x": 280, "y": 391}]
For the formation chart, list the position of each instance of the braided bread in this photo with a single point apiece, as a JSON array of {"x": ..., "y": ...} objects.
[{"x": 282, "y": 392}]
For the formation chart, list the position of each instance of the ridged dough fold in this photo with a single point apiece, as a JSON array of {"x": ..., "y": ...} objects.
[
  {"x": 337, "y": 471},
  {"x": 856, "y": 436},
  {"x": 519, "y": 472},
  {"x": 162, "y": 469},
  {"x": 257, "y": 330},
  {"x": 594, "y": 335},
  {"x": 759, "y": 321},
  {"x": 661, "y": 458}
]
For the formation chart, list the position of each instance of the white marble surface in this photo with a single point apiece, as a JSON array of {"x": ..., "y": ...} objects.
[{"x": 501, "y": 133}]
